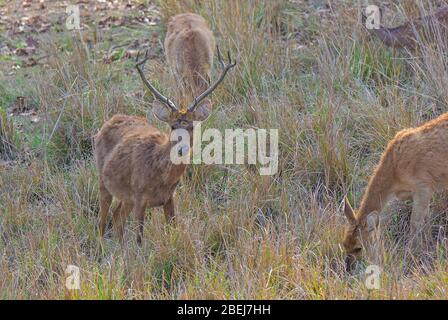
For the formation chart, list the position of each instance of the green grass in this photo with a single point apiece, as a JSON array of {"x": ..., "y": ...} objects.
[{"x": 336, "y": 97}]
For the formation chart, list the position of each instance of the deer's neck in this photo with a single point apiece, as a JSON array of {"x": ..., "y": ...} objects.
[
  {"x": 170, "y": 171},
  {"x": 379, "y": 189}
]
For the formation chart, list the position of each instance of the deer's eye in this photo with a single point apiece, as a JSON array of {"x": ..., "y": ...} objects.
[{"x": 357, "y": 250}]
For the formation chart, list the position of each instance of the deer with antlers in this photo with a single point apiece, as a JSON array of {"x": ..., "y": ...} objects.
[
  {"x": 412, "y": 167},
  {"x": 134, "y": 158},
  {"x": 407, "y": 35}
]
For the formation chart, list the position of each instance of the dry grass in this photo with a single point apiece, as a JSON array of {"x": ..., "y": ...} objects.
[{"x": 309, "y": 70}]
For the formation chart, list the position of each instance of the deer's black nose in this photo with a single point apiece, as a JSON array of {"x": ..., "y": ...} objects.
[{"x": 350, "y": 261}]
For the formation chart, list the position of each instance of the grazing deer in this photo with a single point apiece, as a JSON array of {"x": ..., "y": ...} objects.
[
  {"x": 413, "y": 167},
  {"x": 133, "y": 157},
  {"x": 189, "y": 45},
  {"x": 405, "y": 36}
]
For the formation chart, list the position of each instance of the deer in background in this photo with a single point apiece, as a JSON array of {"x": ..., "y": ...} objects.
[
  {"x": 189, "y": 45},
  {"x": 405, "y": 36},
  {"x": 413, "y": 167},
  {"x": 133, "y": 157}
]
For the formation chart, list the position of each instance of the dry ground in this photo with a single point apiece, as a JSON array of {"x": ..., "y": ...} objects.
[{"x": 307, "y": 68}]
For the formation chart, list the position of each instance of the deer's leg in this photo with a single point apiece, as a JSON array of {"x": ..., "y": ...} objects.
[
  {"x": 105, "y": 202},
  {"x": 115, "y": 212},
  {"x": 139, "y": 210},
  {"x": 420, "y": 211},
  {"x": 119, "y": 218},
  {"x": 169, "y": 210}
]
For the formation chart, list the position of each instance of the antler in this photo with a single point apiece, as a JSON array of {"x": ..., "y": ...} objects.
[
  {"x": 225, "y": 68},
  {"x": 139, "y": 65}
]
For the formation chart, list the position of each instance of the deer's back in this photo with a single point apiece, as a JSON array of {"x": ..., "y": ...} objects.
[
  {"x": 189, "y": 46},
  {"x": 422, "y": 152},
  {"x": 124, "y": 147},
  {"x": 114, "y": 131}
]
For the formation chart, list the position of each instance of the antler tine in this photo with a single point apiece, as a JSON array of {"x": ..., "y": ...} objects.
[
  {"x": 139, "y": 65},
  {"x": 225, "y": 69}
]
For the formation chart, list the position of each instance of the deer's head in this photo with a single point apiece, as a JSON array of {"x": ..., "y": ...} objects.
[
  {"x": 199, "y": 109},
  {"x": 357, "y": 231}
]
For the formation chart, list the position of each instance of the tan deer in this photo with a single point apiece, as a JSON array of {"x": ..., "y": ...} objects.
[
  {"x": 413, "y": 166},
  {"x": 406, "y": 35},
  {"x": 189, "y": 45},
  {"x": 133, "y": 157}
]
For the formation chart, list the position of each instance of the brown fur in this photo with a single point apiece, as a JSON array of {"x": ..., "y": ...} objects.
[
  {"x": 133, "y": 160},
  {"x": 189, "y": 46},
  {"x": 133, "y": 157},
  {"x": 413, "y": 166},
  {"x": 404, "y": 36}
]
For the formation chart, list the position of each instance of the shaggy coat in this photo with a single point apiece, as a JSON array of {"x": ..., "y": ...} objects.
[
  {"x": 133, "y": 157},
  {"x": 413, "y": 166},
  {"x": 189, "y": 46},
  {"x": 133, "y": 160}
]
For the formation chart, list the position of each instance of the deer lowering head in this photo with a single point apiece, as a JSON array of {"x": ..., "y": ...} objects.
[
  {"x": 357, "y": 232},
  {"x": 412, "y": 167},
  {"x": 189, "y": 46},
  {"x": 407, "y": 35},
  {"x": 134, "y": 159},
  {"x": 182, "y": 117}
]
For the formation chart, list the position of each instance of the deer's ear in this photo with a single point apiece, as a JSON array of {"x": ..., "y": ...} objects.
[
  {"x": 348, "y": 211},
  {"x": 203, "y": 110},
  {"x": 373, "y": 220},
  {"x": 160, "y": 111}
]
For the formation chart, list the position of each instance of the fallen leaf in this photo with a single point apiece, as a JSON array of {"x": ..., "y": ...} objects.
[{"x": 19, "y": 105}]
